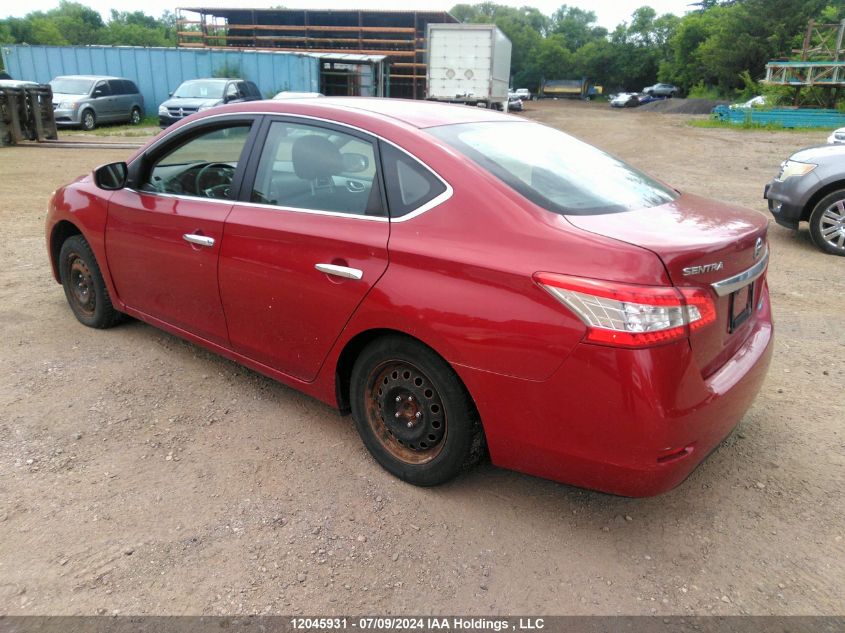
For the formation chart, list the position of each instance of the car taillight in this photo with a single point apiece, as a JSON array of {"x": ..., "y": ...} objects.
[{"x": 626, "y": 315}]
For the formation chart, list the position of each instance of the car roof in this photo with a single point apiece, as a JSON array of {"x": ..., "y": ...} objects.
[
  {"x": 91, "y": 77},
  {"x": 217, "y": 79},
  {"x": 420, "y": 114}
]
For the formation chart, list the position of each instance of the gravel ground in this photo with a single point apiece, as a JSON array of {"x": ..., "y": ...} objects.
[
  {"x": 140, "y": 474},
  {"x": 682, "y": 106}
]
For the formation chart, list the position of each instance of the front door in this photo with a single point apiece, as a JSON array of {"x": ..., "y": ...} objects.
[
  {"x": 163, "y": 237},
  {"x": 304, "y": 246}
]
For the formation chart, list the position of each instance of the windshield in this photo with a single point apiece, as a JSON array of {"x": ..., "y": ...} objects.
[
  {"x": 553, "y": 169},
  {"x": 71, "y": 86},
  {"x": 200, "y": 90}
]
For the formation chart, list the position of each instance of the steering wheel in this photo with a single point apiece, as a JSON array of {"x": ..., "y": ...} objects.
[{"x": 222, "y": 188}]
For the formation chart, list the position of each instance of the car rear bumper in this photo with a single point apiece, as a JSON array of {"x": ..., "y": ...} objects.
[{"x": 628, "y": 422}]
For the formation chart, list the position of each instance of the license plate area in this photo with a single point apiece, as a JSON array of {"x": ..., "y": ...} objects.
[{"x": 741, "y": 306}]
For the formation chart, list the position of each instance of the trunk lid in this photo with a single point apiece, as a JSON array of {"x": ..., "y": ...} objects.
[{"x": 701, "y": 242}]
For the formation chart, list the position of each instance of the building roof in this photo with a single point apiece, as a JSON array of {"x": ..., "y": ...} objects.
[{"x": 223, "y": 10}]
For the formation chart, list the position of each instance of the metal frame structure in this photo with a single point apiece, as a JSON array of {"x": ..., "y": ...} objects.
[
  {"x": 822, "y": 64},
  {"x": 398, "y": 35}
]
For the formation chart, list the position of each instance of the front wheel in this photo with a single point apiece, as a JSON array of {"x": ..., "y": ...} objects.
[
  {"x": 84, "y": 287},
  {"x": 88, "y": 121},
  {"x": 827, "y": 223},
  {"x": 412, "y": 411}
]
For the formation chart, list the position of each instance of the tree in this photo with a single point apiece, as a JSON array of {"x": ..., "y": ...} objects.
[{"x": 576, "y": 26}]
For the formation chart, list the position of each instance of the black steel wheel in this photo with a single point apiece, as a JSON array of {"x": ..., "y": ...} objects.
[
  {"x": 412, "y": 411},
  {"x": 84, "y": 287}
]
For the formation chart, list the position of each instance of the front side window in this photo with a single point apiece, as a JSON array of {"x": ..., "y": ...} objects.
[
  {"x": 102, "y": 89},
  {"x": 553, "y": 169},
  {"x": 204, "y": 166},
  {"x": 309, "y": 167}
]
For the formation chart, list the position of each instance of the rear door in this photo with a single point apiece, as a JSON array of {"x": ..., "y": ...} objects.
[
  {"x": 304, "y": 245},
  {"x": 163, "y": 236},
  {"x": 122, "y": 99}
]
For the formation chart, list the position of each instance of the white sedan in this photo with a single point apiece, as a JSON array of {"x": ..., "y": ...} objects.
[
  {"x": 837, "y": 137},
  {"x": 289, "y": 94}
]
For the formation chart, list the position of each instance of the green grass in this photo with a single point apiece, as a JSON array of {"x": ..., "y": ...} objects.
[
  {"x": 147, "y": 127},
  {"x": 745, "y": 126}
]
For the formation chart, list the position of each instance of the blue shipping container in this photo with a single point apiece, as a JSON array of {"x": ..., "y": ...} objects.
[{"x": 159, "y": 71}]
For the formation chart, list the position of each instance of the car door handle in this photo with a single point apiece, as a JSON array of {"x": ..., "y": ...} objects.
[
  {"x": 340, "y": 271},
  {"x": 199, "y": 240}
]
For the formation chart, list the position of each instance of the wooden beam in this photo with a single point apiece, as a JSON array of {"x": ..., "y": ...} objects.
[{"x": 336, "y": 29}]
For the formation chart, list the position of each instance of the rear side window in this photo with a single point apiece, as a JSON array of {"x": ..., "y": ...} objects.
[
  {"x": 252, "y": 90},
  {"x": 409, "y": 184},
  {"x": 130, "y": 88},
  {"x": 554, "y": 170},
  {"x": 116, "y": 87}
]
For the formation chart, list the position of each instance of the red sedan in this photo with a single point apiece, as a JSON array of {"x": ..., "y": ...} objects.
[{"x": 455, "y": 277}]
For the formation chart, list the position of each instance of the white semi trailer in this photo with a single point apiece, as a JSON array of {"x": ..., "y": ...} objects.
[{"x": 468, "y": 63}]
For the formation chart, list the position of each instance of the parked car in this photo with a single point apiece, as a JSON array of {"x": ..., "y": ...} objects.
[
  {"x": 625, "y": 100},
  {"x": 456, "y": 277},
  {"x": 837, "y": 137},
  {"x": 88, "y": 100},
  {"x": 810, "y": 187},
  {"x": 515, "y": 103},
  {"x": 16, "y": 83},
  {"x": 197, "y": 95},
  {"x": 524, "y": 94},
  {"x": 644, "y": 99},
  {"x": 662, "y": 90},
  {"x": 754, "y": 102},
  {"x": 290, "y": 94}
]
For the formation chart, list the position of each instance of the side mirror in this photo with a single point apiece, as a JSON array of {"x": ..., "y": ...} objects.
[
  {"x": 111, "y": 177},
  {"x": 98, "y": 92},
  {"x": 355, "y": 163}
]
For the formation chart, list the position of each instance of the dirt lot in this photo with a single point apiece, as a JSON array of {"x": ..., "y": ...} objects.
[{"x": 140, "y": 474}]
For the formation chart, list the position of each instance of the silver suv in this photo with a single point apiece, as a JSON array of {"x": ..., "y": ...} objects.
[
  {"x": 810, "y": 187},
  {"x": 88, "y": 100}
]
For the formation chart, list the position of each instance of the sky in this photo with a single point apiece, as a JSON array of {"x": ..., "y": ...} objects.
[{"x": 609, "y": 13}]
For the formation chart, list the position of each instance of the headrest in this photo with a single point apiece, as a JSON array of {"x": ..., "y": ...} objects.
[{"x": 315, "y": 157}]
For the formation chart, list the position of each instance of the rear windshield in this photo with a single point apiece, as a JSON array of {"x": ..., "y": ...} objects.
[
  {"x": 200, "y": 90},
  {"x": 553, "y": 169},
  {"x": 71, "y": 86}
]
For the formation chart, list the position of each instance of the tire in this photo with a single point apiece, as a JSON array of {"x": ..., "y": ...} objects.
[
  {"x": 412, "y": 412},
  {"x": 87, "y": 120},
  {"x": 827, "y": 223},
  {"x": 84, "y": 287},
  {"x": 135, "y": 116}
]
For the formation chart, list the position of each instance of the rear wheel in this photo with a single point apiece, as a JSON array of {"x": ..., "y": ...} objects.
[
  {"x": 135, "y": 117},
  {"x": 412, "y": 411},
  {"x": 88, "y": 121},
  {"x": 84, "y": 287},
  {"x": 827, "y": 223}
]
